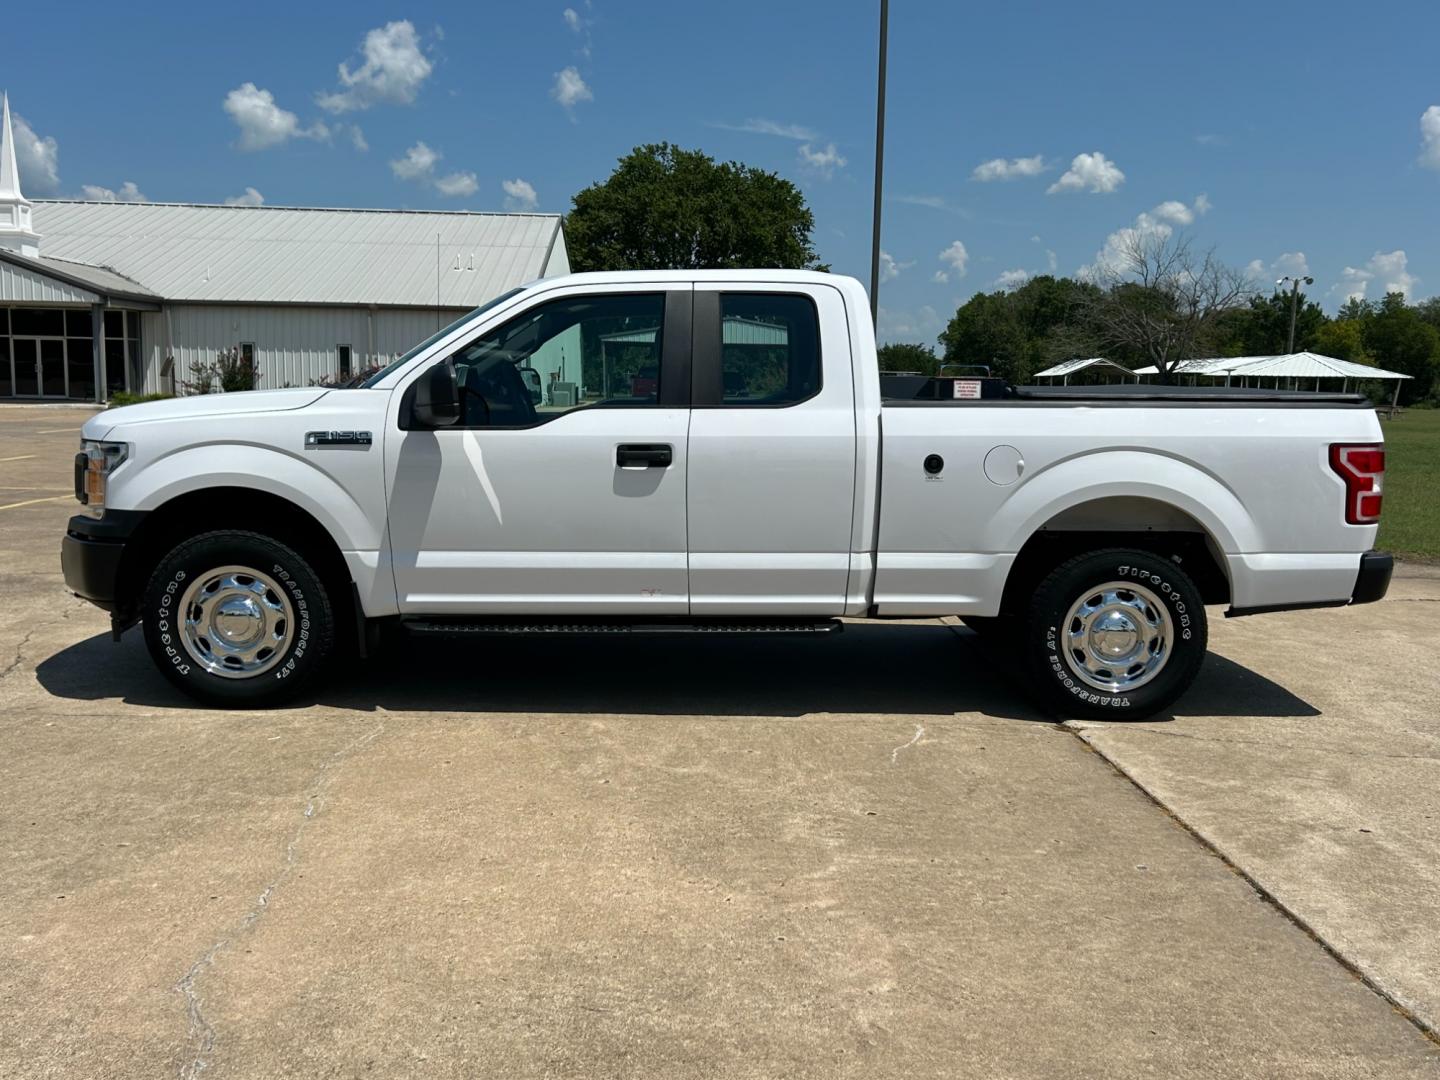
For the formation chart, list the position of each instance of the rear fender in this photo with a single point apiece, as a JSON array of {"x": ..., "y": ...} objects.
[{"x": 1147, "y": 475}]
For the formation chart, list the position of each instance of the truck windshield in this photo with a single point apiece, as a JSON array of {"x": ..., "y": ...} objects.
[{"x": 388, "y": 368}]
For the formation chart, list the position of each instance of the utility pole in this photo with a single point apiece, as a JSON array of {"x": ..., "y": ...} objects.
[
  {"x": 1294, "y": 300},
  {"x": 879, "y": 162}
]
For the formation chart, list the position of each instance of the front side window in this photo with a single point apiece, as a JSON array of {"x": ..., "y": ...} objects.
[
  {"x": 582, "y": 351},
  {"x": 769, "y": 349}
]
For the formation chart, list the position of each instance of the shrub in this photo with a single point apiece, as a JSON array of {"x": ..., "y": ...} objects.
[
  {"x": 230, "y": 369},
  {"x": 121, "y": 398}
]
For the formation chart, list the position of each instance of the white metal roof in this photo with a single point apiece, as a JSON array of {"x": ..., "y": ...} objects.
[
  {"x": 1308, "y": 365},
  {"x": 1069, "y": 367},
  {"x": 280, "y": 255},
  {"x": 1303, "y": 365}
]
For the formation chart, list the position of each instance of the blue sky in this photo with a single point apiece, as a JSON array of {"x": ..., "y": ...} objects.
[{"x": 1291, "y": 137}]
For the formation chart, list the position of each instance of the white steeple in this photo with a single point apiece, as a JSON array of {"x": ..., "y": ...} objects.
[{"x": 16, "y": 230}]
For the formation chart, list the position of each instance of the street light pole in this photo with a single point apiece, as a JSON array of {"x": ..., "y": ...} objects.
[
  {"x": 1294, "y": 300},
  {"x": 879, "y": 163}
]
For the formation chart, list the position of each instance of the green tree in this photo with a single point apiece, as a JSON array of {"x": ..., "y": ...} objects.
[
  {"x": 668, "y": 208},
  {"x": 1262, "y": 328},
  {"x": 1343, "y": 339},
  {"x": 1399, "y": 339},
  {"x": 1022, "y": 331},
  {"x": 987, "y": 330},
  {"x": 902, "y": 356}
]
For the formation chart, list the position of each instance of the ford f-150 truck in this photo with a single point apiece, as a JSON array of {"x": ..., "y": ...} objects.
[{"x": 715, "y": 450}]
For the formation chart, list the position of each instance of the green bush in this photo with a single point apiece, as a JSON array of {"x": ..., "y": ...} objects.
[{"x": 123, "y": 397}]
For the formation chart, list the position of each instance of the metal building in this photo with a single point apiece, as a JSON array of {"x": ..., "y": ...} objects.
[{"x": 97, "y": 297}]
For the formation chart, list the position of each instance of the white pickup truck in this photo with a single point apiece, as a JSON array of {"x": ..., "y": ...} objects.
[{"x": 715, "y": 451}]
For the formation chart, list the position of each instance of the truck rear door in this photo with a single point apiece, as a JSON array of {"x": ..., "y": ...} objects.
[{"x": 771, "y": 475}]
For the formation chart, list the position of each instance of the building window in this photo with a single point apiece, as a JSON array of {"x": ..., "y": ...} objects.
[
  {"x": 343, "y": 353},
  {"x": 80, "y": 354},
  {"x": 247, "y": 352}
]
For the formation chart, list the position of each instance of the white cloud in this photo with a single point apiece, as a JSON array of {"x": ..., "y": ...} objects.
[
  {"x": 1000, "y": 169},
  {"x": 572, "y": 19},
  {"x": 1159, "y": 222},
  {"x": 1430, "y": 137},
  {"x": 889, "y": 268},
  {"x": 934, "y": 202},
  {"x": 417, "y": 164},
  {"x": 957, "y": 258},
  {"x": 940, "y": 277},
  {"x": 1012, "y": 279},
  {"x": 1210, "y": 139},
  {"x": 1291, "y": 264},
  {"x": 264, "y": 124},
  {"x": 757, "y": 125},
  {"x": 908, "y": 325},
  {"x": 357, "y": 138},
  {"x": 1388, "y": 269},
  {"x": 1094, "y": 173},
  {"x": 128, "y": 193},
  {"x": 823, "y": 161},
  {"x": 393, "y": 71},
  {"x": 457, "y": 185},
  {"x": 251, "y": 197},
  {"x": 570, "y": 89},
  {"x": 1051, "y": 262},
  {"x": 37, "y": 157},
  {"x": 519, "y": 194},
  {"x": 1175, "y": 212}
]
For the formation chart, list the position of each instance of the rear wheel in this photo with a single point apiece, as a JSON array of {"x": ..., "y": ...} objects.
[
  {"x": 1114, "y": 634},
  {"x": 238, "y": 619}
]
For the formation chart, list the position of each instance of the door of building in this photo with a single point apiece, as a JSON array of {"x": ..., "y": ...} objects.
[{"x": 38, "y": 367}]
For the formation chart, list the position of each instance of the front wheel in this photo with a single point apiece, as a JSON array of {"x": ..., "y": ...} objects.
[
  {"x": 1114, "y": 634},
  {"x": 237, "y": 619}
]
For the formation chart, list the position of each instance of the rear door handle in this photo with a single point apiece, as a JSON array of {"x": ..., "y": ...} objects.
[{"x": 644, "y": 455}]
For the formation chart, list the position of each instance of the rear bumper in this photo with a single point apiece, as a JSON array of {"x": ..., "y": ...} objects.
[
  {"x": 1372, "y": 581},
  {"x": 92, "y": 551}
]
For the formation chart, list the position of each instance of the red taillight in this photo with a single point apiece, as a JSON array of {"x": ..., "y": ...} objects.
[{"x": 1362, "y": 467}]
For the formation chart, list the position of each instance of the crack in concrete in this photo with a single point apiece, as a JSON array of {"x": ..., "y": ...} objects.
[
  {"x": 1349, "y": 752},
  {"x": 1265, "y": 894},
  {"x": 201, "y": 1030},
  {"x": 895, "y": 754},
  {"x": 19, "y": 652}
]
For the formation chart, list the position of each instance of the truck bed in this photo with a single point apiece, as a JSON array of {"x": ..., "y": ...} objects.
[{"x": 914, "y": 391}]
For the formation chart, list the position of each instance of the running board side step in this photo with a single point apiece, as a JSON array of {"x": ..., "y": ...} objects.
[{"x": 464, "y": 626}]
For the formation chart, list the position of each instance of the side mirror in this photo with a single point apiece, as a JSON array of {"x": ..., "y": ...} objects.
[{"x": 437, "y": 398}]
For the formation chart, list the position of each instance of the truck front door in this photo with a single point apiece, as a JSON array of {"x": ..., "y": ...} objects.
[
  {"x": 772, "y": 450},
  {"x": 562, "y": 487}
]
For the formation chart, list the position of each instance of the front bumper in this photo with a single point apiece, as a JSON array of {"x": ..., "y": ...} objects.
[
  {"x": 92, "y": 552},
  {"x": 1372, "y": 581}
]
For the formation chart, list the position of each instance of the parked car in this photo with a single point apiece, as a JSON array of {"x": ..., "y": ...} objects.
[{"x": 258, "y": 535}]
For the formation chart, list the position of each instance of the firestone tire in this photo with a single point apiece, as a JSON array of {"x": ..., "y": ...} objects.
[
  {"x": 1114, "y": 635},
  {"x": 237, "y": 619}
]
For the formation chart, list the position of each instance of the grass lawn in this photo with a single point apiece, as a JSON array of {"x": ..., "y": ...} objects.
[{"x": 1410, "y": 520}]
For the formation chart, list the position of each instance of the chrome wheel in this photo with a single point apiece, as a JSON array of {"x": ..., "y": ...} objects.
[
  {"x": 1117, "y": 637},
  {"x": 236, "y": 622}
]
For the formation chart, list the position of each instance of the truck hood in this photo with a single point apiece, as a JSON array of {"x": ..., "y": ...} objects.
[{"x": 200, "y": 405}]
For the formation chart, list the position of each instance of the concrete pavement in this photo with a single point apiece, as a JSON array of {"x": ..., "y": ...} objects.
[{"x": 866, "y": 856}]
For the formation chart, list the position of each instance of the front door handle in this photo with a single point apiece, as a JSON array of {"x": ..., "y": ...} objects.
[{"x": 644, "y": 455}]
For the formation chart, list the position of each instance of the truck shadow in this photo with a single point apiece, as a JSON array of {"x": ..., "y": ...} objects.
[{"x": 885, "y": 668}]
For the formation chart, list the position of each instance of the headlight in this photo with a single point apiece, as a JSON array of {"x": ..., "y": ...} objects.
[{"x": 93, "y": 466}]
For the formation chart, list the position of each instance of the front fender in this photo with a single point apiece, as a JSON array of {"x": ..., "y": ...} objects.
[
  {"x": 352, "y": 512},
  {"x": 1109, "y": 473}
]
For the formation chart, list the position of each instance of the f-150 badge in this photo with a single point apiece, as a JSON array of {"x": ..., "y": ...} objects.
[{"x": 338, "y": 438}]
